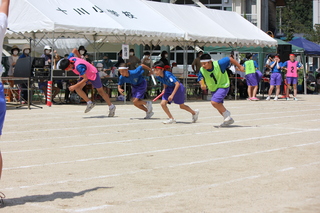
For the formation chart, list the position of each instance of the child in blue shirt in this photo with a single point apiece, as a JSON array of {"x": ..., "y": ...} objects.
[
  {"x": 173, "y": 91},
  {"x": 138, "y": 85}
]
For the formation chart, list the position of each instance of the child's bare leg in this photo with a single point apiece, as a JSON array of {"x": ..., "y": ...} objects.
[
  {"x": 295, "y": 90},
  {"x": 277, "y": 90},
  {"x": 250, "y": 91},
  {"x": 140, "y": 104},
  {"x": 255, "y": 90},
  {"x": 187, "y": 108},
  {"x": 271, "y": 90},
  {"x": 219, "y": 106},
  {"x": 287, "y": 92},
  {"x": 0, "y": 164},
  {"x": 165, "y": 108},
  {"x": 104, "y": 95},
  {"x": 82, "y": 94}
]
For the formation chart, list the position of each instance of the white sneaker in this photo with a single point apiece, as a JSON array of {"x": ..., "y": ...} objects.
[
  {"x": 268, "y": 98},
  {"x": 295, "y": 98},
  {"x": 149, "y": 106},
  {"x": 149, "y": 115},
  {"x": 227, "y": 122},
  {"x": 170, "y": 121},
  {"x": 288, "y": 99},
  {"x": 195, "y": 116},
  {"x": 112, "y": 111},
  {"x": 275, "y": 98},
  {"x": 90, "y": 107}
]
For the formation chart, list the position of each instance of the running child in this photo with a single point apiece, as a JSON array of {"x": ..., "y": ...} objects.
[
  {"x": 138, "y": 85},
  {"x": 173, "y": 91},
  {"x": 213, "y": 75},
  {"x": 88, "y": 73},
  {"x": 252, "y": 77},
  {"x": 275, "y": 78},
  {"x": 292, "y": 67}
]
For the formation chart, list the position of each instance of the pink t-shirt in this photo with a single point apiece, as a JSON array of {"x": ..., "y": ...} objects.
[{"x": 292, "y": 70}]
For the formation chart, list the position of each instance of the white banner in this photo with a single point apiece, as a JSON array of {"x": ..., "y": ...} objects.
[{"x": 125, "y": 51}]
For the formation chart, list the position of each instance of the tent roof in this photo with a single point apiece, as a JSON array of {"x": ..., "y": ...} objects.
[
  {"x": 309, "y": 47},
  {"x": 132, "y": 22}
]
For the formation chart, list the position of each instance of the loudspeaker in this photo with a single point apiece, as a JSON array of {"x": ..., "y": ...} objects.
[
  {"x": 23, "y": 67},
  {"x": 284, "y": 51},
  {"x": 39, "y": 62}
]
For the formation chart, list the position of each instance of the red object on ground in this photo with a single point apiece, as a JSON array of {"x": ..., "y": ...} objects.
[{"x": 49, "y": 88}]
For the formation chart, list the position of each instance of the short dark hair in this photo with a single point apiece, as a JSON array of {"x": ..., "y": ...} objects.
[
  {"x": 122, "y": 65},
  {"x": 205, "y": 56},
  {"x": 64, "y": 63},
  {"x": 248, "y": 55},
  {"x": 131, "y": 50},
  {"x": 158, "y": 64},
  {"x": 146, "y": 53}
]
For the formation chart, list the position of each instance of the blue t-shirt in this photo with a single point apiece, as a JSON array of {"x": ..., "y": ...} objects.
[
  {"x": 285, "y": 64},
  {"x": 224, "y": 63},
  {"x": 135, "y": 77},
  {"x": 81, "y": 68},
  {"x": 168, "y": 79},
  {"x": 275, "y": 68}
]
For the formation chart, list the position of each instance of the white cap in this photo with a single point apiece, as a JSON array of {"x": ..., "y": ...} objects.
[
  {"x": 99, "y": 65},
  {"x": 47, "y": 47}
]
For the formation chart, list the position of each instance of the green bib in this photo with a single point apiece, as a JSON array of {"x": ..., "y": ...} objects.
[
  {"x": 249, "y": 67},
  {"x": 215, "y": 79}
]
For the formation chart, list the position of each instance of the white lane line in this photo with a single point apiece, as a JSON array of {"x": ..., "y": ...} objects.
[
  {"x": 155, "y": 151},
  {"x": 207, "y": 186},
  {"x": 163, "y": 167}
]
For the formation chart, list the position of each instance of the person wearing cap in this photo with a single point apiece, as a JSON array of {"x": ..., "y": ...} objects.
[
  {"x": 4, "y": 11},
  {"x": 173, "y": 91},
  {"x": 83, "y": 53},
  {"x": 213, "y": 75},
  {"x": 251, "y": 68},
  {"x": 88, "y": 73},
  {"x": 138, "y": 86},
  {"x": 12, "y": 60},
  {"x": 275, "y": 78},
  {"x": 47, "y": 56},
  {"x": 292, "y": 66},
  {"x": 26, "y": 51}
]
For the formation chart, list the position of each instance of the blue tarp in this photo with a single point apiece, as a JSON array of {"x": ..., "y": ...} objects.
[{"x": 309, "y": 47}]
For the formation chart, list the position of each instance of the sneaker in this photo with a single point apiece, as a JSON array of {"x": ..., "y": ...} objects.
[
  {"x": 268, "y": 98},
  {"x": 275, "y": 98},
  {"x": 149, "y": 106},
  {"x": 227, "y": 122},
  {"x": 112, "y": 111},
  {"x": 287, "y": 98},
  {"x": 90, "y": 107},
  {"x": 295, "y": 99},
  {"x": 248, "y": 99},
  {"x": 170, "y": 121},
  {"x": 255, "y": 99},
  {"x": 149, "y": 115},
  {"x": 195, "y": 116}
]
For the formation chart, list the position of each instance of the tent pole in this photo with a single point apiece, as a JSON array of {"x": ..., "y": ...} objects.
[{"x": 304, "y": 74}]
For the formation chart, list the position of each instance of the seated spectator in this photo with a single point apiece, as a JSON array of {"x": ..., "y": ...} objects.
[
  {"x": 107, "y": 64},
  {"x": 104, "y": 78},
  {"x": 134, "y": 61}
]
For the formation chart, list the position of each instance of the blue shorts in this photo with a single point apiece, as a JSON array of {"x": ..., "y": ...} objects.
[
  {"x": 42, "y": 84},
  {"x": 292, "y": 80},
  {"x": 178, "y": 98},
  {"x": 275, "y": 79},
  {"x": 2, "y": 107},
  {"x": 219, "y": 95},
  {"x": 139, "y": 90},
  {"x": 96, "y": 83}
]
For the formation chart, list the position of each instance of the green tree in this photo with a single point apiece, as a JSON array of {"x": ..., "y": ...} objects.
[{"x": 314, "y": 34}]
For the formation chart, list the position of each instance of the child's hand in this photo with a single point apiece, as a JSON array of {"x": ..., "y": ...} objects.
[
  {"x": 203, "y": 87},
  {"x": 121, "y": 91},
  {"x": 170, "y": 98},
  {"x": 72, "y": 88}
]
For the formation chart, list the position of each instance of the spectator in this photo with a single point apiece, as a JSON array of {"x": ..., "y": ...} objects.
[
  {"x": 134, "y": 61},
  {"x": 146, "y": 60},
  {"x": 164, "y": 56},
  {"x": 196, "y": 65},
  {"x": 26, "y": 51},
  {"x": 12, "y": 60},
  {"x": 47, "y": 55},
  {"x": 120, "y": 60},
  {"x": 107, "y": 64},
  {"x": 104, "y": 78},
  {"x": 83, "y": 52}
]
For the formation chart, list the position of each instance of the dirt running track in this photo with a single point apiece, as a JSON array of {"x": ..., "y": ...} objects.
[{"x": 60, "y": 159}]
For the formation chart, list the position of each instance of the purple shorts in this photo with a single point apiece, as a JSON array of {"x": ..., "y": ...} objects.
[
  {"x": 275, "y": 79},
  {"x": 96, "y": 83},
  {"x": 258, "y": 75},
  {"x": 252, "y": 79},
  {"x": 219, "y": 95},
  {"x": 292, "y": 80},
  {"x": 178, "y": 98},
  {"x": 139, "y": 90}
]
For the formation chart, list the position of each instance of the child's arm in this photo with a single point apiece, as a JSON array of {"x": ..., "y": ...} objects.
[
  {"x": 147, "y": 68},
  {"x": 236, "y": 63},
  {"x": 76, "y": 52},
  {"x": 176, "y": 87},
  {"x": 80, "y": 84},
  {"x": 4, "y": 7},
  {"x": 120, "y": 89}
]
